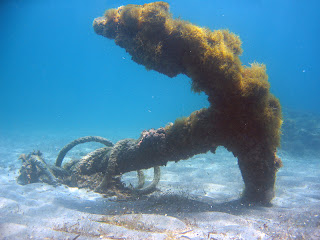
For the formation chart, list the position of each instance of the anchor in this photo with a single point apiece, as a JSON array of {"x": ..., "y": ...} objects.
[{"x": 243, "y": 116}]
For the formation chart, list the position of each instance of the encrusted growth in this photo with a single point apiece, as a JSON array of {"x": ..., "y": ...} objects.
[{"x": 243, "y": 115}]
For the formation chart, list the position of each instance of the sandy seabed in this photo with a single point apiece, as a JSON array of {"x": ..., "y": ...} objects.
[{"x": 196, "y": 199}]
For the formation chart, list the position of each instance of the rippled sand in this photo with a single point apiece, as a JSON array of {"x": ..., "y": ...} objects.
[{"x": 197, "y": 199}]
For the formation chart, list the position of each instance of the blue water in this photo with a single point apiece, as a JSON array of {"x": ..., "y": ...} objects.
[
  {"x": 60, "y": 81},
  {"x": 57, "y": 75}
]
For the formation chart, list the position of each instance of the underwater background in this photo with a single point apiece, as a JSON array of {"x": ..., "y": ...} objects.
[
  {"x": 59, "y": 81},
  {"x": 57, "y": 75}
]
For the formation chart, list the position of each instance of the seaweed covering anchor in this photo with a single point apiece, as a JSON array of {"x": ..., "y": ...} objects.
[{"x": 243, "y": 115}]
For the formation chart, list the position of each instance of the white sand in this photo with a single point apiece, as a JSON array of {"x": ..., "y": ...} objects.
[{"x": 197, "y": 199}]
